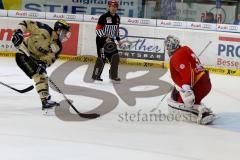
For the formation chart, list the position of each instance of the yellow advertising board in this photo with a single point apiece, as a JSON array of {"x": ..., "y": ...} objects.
[{"x": 11, "y": 4}]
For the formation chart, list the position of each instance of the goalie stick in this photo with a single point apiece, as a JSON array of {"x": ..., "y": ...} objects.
[
  {"x": 18, "y": 90},
  {"x": 82, "y": 115},
  {"x": 204, "y": 48}
]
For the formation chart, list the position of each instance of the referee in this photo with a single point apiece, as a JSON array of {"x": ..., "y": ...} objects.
[{"x": 107, "y": 30}]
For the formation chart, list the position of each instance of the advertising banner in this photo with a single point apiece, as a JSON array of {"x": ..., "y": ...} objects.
[
  {"x": 26, "y": 14},
  {"x": 127, "y": 8},
  {"x": 90, "y": 18},
  {"x": 70, "y": 47},
  {"x": 67, "y": 17},
  {"x": 171, "y": 24},
  {"x": 228, "y": 51},
  {"x": 3, "y": 13},
  {"x": 227, "y": 28},
  {"x": 11, "y": 4},
  {"x": 138, "y": 42},
  {"x": 218, "y": 49},
  {"x": 138, "y": 21},
  {"x": 201, "y": 26},
  {"x": 141, "y": 43}
]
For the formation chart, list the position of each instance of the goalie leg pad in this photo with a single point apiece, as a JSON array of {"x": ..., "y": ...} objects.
[
  {"x": 205, "y": 115},
  {"x": 184, "y": 113},
  {"x": 197, "y": 114},
  {"x": 113, "y": 72},
  {"x": 28, "y": 65},
  {"x": 98, "y": 68}
]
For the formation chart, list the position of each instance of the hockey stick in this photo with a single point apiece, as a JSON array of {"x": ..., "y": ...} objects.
[
  {"x": 18, "y": 90},
  {"x": 82, "y": 115},
  {"x": 204, "y": 48},
  {"x": 159, "y": 103}
]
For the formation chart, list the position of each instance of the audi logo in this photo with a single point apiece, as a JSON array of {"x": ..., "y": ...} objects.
[
  {"x": 70, "y": 16},
  {"x": 165, "y": 23},
  {"x": 58, "y": 16},
  {"x": 233, "y": 28},
  {"x": 144, "y": 21},
  {"x": 177, "y": 23},
  {"x": 138, "y": 21},
  {"x": 206, "y": 26},
  {"x": 33, "y": 14}
]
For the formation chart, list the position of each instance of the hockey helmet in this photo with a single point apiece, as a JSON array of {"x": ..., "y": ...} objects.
[
  {"x": 63, "y": 30},
  {"x": 61, "y": 24},
  {"x": 113, "y": 3},
  {"x": 171, "y": 43}
]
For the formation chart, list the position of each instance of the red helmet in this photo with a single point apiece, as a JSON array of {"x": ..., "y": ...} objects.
[{"x": 113, "y": 3}]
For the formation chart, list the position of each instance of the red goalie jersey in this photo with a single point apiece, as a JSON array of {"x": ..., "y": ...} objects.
[{"x": 186, "y": 68}]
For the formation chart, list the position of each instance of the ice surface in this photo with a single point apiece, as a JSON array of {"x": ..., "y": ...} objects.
[{"x": 25, "y": 134}]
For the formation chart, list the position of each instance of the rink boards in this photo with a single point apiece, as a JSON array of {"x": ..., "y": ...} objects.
[
  {"x": 217, "y": 46},
  {"x": 144, "y": 63}
]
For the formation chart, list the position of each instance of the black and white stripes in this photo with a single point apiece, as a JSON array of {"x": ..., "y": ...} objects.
[
  {"x": 100, "y": 32},
  {"x": 108, "y": 31}
]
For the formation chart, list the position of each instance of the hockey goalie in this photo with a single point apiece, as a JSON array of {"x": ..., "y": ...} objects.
[{"x": 192, "y": 83}]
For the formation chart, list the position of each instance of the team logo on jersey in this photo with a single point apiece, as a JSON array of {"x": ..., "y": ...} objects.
[
  {"x": 109, "y": 19},
  {"x": 182, "y": 66}
]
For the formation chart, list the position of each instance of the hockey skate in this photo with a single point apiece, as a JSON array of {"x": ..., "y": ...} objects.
[
  {"x": 48, "y": 106},
  {"x": 113, "y": 72},
  {"x": 199, "y": 114},
  {"x": 98, "y": 68},
  {"x": 115, "y": 80},
  {"x": 97, "y": 79}
]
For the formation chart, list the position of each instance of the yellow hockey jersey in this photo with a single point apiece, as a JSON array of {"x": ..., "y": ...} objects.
[{"x": 42, "y": 43}]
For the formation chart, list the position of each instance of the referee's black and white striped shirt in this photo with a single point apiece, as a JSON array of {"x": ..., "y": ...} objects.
[{"x": 108, "y": 26}]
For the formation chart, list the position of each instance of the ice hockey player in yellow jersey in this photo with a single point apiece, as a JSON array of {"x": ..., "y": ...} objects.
[{"x": 38, "y": 51}]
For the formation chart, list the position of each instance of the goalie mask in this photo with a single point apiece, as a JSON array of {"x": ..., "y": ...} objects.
[
  {"x": 63, "y": 30},
  {"x": 171, "y": 43}
]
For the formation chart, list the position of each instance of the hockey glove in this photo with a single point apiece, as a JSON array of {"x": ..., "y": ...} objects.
[
  {"x": 17, "y": 37},
  {"x": 41, "y": 67},
  {"x": 187, "y": 95}
]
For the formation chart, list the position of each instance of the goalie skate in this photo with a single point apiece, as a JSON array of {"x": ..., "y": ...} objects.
[{"x": 197, "y": 114}]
